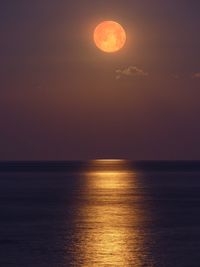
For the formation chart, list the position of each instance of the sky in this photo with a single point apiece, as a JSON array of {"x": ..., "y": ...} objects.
[{"x": 61, "y": 98}]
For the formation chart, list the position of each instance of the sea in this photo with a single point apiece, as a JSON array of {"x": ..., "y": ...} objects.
[{"x": 100, "y": 213}]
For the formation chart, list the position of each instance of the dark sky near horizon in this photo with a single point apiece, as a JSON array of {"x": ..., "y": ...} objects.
[{"x": 60, "y": 97}]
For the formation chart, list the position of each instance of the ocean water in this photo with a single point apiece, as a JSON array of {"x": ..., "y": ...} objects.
[{"x": 105, "y": 214}]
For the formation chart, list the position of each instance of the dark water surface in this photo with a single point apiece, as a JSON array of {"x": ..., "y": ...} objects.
[{"x": 106, "y": 214}]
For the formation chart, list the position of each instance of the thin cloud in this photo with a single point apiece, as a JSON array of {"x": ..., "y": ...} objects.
[
  {"x": 196, "y": 75},
  {"x": 38, "y": 86},
  {"x": 131, "y": 71},
  {"x": 176, "y": 76}
]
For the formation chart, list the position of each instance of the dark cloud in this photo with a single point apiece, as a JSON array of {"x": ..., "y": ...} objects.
[{"x": 130, "y": 71}]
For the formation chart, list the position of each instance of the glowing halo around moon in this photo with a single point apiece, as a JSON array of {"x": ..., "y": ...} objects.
[{"x": 109, "y": 36}]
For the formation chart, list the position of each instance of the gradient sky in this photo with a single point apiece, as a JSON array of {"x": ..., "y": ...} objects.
[{"x": 61, "y": 98}]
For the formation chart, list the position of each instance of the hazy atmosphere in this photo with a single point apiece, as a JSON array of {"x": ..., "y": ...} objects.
[{"x": 61, "y": 98}]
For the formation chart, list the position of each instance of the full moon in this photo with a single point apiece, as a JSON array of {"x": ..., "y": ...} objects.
[{"x": 109, "y": 36}]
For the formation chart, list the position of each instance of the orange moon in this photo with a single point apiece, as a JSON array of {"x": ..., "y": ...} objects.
[{"x": 109, "y": 36}]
